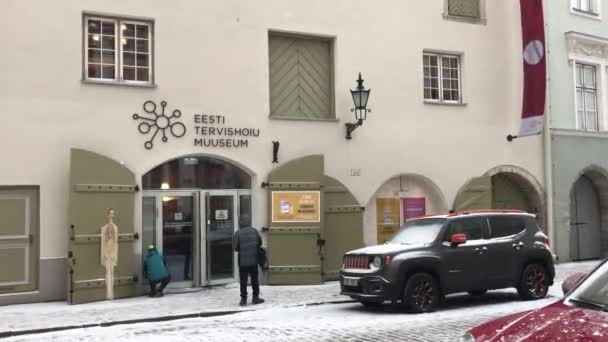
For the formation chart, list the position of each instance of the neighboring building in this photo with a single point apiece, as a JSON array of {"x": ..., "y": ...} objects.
[
  {"x": 577, "y": 43},
  {"x": 167, "y": 114}
]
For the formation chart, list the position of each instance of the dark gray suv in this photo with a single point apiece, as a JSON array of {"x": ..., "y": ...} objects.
[{"x": 434, "y": 256}]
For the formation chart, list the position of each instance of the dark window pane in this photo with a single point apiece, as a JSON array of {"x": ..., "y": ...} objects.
[
  {"x": 128, "y": 44},
  {"x": 108, "y": 72},
  {"x": 472, "y": 228},
  {"x": 108, "y": 57},
  {"x": 94, "y": 56},
  {"x": 128, "y": 73},
  {"x": 128, "y": 58},
  {"x": 128, "y": 30},
  {"x": 108, "y": 28},
  {"x": 434, "y": 72},
  {"x": 94, "y": 41},
  {"x": 447, "y": 95},
  {"x": 142, "y": 74},
  {"x": 435, "y": 94},
  {"x": 94, "y": 71},
  {"x": 197, "y": 172},
  {"x": 502, "y": 226},
  {"x": 142, "y": 31},
  {"x": 455, "y": 95},
  {"x": 434, "y": 60},
  {"x": 427, "y": 93},
  {"x": 142, "y": 45},
  {"x": 107, "y": 42},
  {"x": 94, "y": 26},
  {"x": 142, "y": 59}
]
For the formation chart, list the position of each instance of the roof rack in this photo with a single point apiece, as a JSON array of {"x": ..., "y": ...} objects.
[{"x": 488, "y": 211}]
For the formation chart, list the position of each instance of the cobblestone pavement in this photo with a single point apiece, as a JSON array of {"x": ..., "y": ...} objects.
[{"x": 332, "y": 322}]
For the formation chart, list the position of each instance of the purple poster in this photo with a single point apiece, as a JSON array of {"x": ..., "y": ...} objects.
[{"x": 413, "y": 207}]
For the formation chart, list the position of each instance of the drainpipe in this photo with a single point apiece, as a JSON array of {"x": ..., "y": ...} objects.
[{"x": 550, "y": 221}]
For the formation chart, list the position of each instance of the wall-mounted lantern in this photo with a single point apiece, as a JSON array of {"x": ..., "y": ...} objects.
[{"x": 360, "y": 97}]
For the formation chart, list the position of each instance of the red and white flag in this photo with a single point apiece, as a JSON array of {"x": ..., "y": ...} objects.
[{"x": 535, "y": 67}]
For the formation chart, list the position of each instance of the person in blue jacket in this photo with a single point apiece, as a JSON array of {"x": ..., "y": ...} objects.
[{"x": 156, "y": 271}]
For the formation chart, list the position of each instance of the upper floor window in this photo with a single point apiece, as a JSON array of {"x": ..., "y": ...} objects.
[
  {"x": 586, "y": 97},
  {"x": 117, "y": 50},
  {"x": 442, "y": 78},
  {"x": 583, "y": 5},
  {"x": 464, "y": 8},
  {"x": 301, "y": 77},
  {"x": 589, "y": 8}
]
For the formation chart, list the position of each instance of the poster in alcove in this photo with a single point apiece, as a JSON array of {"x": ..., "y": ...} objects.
[{"x": 413, "y": 207}]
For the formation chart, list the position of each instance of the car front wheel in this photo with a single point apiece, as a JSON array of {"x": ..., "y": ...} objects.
[
  {"x": 534, "y": 283},
  {"x": 421, "y": 293}
]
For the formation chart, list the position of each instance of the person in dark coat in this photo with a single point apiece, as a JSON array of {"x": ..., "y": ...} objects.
[
  {"x": 247, "y": 243},
  {"x": 156, "y": 271}
]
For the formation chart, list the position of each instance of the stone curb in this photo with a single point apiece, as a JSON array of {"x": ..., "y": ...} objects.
[{"x": 206, "y": 314}]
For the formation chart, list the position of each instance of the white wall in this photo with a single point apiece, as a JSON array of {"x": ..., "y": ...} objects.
[{"x": 212, "y": 57}]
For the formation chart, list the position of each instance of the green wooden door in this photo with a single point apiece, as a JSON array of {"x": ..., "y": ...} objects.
[
  {"x": 293, "y": 245},
  {"x": 342, "y": 227},
  {"x": 19, "y": 239},
  {"x": 476, "y": 195},
  {"x": 96, "y": 185}
]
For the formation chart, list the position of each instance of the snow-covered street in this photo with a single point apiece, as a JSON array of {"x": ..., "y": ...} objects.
[{"x": 327, "y": 322}]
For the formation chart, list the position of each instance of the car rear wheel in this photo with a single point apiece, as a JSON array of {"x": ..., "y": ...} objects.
[
  {"x": 534, "y": 283},
  {"x": 477, "y": 292},
  {"x": 421, "y": 293}
]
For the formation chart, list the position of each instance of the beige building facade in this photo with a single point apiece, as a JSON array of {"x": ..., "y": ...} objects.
[{"x": 446, "y": 85}]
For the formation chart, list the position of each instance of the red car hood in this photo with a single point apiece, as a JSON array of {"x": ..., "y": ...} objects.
[{"x": 556, "y": 322}]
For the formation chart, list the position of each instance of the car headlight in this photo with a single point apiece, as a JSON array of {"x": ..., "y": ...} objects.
[
  {"x": 467, "y": 338},
  {"x": 377, "y": 262}
]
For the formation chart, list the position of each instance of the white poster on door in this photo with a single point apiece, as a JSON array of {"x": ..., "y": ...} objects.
[{"x": 221, "y": 214}]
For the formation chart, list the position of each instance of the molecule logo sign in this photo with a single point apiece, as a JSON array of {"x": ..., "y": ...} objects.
[{"x": 156, "y": 121}]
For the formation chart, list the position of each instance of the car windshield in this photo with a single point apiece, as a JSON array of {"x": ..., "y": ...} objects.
[
  {"x": 418, "y": 232},
  {"x": 593, "y": 293}
]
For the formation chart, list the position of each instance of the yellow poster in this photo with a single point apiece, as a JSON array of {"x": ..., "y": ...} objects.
[
  {"x": 387, "y": 218},
  {"x": 296, "y": 206}
]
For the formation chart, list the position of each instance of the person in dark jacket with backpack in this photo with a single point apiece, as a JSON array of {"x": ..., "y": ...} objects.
[
  {"x": 156, "y": 271},
  {"x": 247, "y": 243}
]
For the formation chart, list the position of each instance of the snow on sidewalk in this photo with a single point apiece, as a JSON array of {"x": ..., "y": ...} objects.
[{"x": 214, "y": 299}]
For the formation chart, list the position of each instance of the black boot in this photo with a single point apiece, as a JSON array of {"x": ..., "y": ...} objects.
[
  {"x": 243, "y": 301},
  {"x": 257, "y": 300}
]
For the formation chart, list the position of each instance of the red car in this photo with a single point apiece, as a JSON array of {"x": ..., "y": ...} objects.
[{"x": 581, "y": 316}]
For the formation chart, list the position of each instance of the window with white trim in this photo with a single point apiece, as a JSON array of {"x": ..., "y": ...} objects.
[
  {"x": 587, "y": 6},
  {"x": 117, "y": 50},
  {"x": 442, "y": 78},
  {"x": 586, "y": 97},
  {"x": 465, "y": 8}
]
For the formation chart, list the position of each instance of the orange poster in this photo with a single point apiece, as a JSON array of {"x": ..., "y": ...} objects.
[
  {"x": 387, "y": 218},
  {"x": 296, "y": 206}
]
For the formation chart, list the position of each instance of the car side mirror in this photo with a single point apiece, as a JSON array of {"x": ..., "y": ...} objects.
[
  {"x": 458, "y": 239},
  {"x": 572, "y": 281}
]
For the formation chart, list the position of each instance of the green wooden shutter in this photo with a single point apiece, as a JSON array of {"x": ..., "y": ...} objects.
[
  {"x": 96, "y": 185},
  {"x": 293, "y": 251},
  {"x": 464, "y": 8},
  {"x": 477, "y": 194},
  {"x": 18, "y": 239},
  {"x": 301, "y": 77},
  {"x": 342, "y": 227}
]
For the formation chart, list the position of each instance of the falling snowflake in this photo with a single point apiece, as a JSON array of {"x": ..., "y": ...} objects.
[{"x": 161, "y": 122}]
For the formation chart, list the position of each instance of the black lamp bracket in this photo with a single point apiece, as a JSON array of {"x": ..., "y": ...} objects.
[{"x": 350, "y": 127}]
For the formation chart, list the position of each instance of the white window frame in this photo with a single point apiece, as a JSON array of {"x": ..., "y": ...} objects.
[
  {"x": 440, "y": 56},
  {"x": 598, "y": 80},
  {"x": 595, "y": 11},
  {"x": 118, "y": 50}
]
